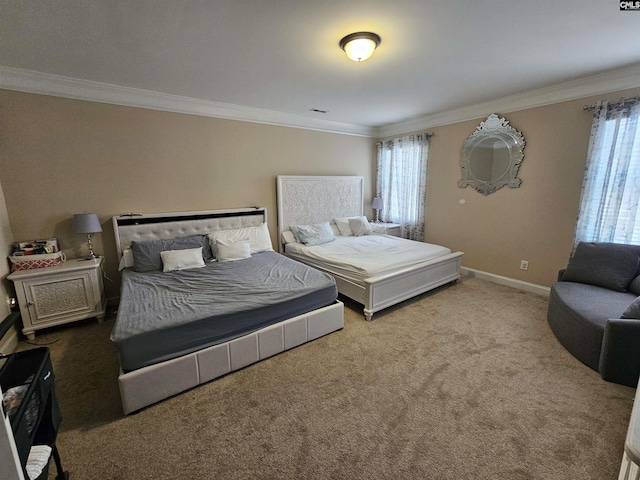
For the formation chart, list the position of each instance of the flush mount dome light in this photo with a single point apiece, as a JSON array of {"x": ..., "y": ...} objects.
[{"x": 360, "y": 45}]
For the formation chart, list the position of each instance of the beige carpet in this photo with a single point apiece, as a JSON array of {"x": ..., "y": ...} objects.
[{"x": 466, "y": 382}]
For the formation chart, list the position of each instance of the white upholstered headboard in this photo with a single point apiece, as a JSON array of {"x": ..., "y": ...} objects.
[
  {"x": 304, "y": 200},
  {"x": 139, "y": 228}
]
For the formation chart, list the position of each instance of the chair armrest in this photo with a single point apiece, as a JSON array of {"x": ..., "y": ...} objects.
[
  {"x": 561, "y": 273},
  {"x": 620, "y": 352}
]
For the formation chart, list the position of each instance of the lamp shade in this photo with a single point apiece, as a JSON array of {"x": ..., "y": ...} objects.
[
  {"x": 378, "y": 203},
  {"x": 86, "y": 223}
]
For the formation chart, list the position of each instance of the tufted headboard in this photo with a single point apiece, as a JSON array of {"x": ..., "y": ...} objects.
[
  {"x": 137, "y": 227},
  {"x": 315, "y": 199}
]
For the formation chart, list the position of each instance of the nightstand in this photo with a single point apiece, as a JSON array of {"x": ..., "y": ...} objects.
[{"x": 57, "y": 295}]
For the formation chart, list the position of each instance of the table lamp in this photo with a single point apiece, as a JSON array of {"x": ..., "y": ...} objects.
[
  {"x": 377, "y": 205},
  {"x": 87, "y": 223}
]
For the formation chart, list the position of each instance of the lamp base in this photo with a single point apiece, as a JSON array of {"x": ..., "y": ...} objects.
[{"x": 91, "y": 256}]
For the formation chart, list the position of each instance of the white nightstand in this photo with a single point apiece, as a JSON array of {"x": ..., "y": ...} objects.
[
  {"x": 392, "y": 228},
  {"x": 56, "y": 295}
]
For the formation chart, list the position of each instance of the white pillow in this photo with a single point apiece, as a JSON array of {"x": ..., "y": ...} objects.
[
  {"x": 127, "y": 259},
  {"x": 258, "y": 236},
  {"x": 343, "y": 226},
  {"x": 288, "y": 237},
  {"x": 378, "y": 228},
  {"x": 173, "y": 260},
  {"x": 360, "y": 226},
  {"x": 230, "y": 251}
]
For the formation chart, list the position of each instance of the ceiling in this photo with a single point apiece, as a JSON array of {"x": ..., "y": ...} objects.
[{"x": 280, "y": 58}]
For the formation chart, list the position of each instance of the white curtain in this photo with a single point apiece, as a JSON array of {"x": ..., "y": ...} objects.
[
  {"x": 611, "y": 188},
  {"x": 402, "y": 182}
]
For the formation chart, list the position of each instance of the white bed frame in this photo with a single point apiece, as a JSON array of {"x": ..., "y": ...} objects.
[
  {"x": 313, "y": 199},
  {"x": 148, "y": 385}
]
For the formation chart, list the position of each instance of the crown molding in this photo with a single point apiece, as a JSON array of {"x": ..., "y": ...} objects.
[
  {"x": 55, "y": 85},
  {"x": 605, "y": 82},
  {"x": 30, "y": 81}
]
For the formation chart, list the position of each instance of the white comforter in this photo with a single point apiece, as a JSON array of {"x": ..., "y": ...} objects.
[{"x": 366, "y": 256}]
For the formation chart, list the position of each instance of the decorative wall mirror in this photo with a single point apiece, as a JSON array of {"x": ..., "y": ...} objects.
[{"x": 491, "y": 156}]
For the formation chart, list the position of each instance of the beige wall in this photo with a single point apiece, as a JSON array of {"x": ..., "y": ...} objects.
[
  {"x": 6, "y": 238},
  {"x": 535, "y": 222},
  {"x": 8, "y": 342},
  {"x": 59, "y": 157}
]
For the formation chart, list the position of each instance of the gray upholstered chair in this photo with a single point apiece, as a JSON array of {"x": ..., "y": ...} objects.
[{"x": 594, "y": 309}]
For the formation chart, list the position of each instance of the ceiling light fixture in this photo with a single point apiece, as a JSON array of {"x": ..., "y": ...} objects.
[{"x": 360, "y": 45}]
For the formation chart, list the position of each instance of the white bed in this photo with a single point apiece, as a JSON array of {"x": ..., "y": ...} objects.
[
  {"x": 144, "y": 386},
  {"x": 373, "y": 280}
]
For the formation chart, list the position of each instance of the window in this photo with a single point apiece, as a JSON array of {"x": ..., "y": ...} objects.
[
  {"x": 611, "y": 189},
  {"x": 402, "y": 182}
]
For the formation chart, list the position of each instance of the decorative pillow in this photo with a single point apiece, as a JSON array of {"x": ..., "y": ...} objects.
[
  {"x": 315, "y": 234},
  {"x": 173, "y": 260},
  {"x": 228, "y": 251},
  {"x": 633, "y": 310},
  {"x": 343, "y": 226},
  {"x": 146, "y": 255},
  {"x": 605, "y": 265},
  {"x": 258, "y": 236},
  {"x": 360, "y": 226}
]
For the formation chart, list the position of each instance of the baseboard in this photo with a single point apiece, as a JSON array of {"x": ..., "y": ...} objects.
[{"x": 509, "y": 282}]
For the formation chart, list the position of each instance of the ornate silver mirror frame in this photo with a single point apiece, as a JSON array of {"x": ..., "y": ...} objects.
[{"x": 491, "y": 156}]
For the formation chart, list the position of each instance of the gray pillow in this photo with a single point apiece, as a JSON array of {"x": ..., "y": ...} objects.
[
  {"x": 634, "y": 286},
  {"x": 633, "y": 310},
  {"x": 607, "y": 265},
  {"x": 146, "y": 255}
]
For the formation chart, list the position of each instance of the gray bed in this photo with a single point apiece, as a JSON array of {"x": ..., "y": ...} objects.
[
  {"x": 175, "y": 330},
  {"x": 167, "y": 315}
]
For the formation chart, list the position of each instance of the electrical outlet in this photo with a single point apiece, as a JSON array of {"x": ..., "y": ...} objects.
[{"x": 524, "y": 264}]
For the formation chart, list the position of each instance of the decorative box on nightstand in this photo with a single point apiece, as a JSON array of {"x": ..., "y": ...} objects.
[
  {"x": 56, "y": 295},
  {"x": 392, "y": 228}
]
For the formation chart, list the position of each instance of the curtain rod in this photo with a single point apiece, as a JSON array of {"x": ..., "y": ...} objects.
[
  {"x": 428, "y": 134},
  {"x": 619, "y": 103}
]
